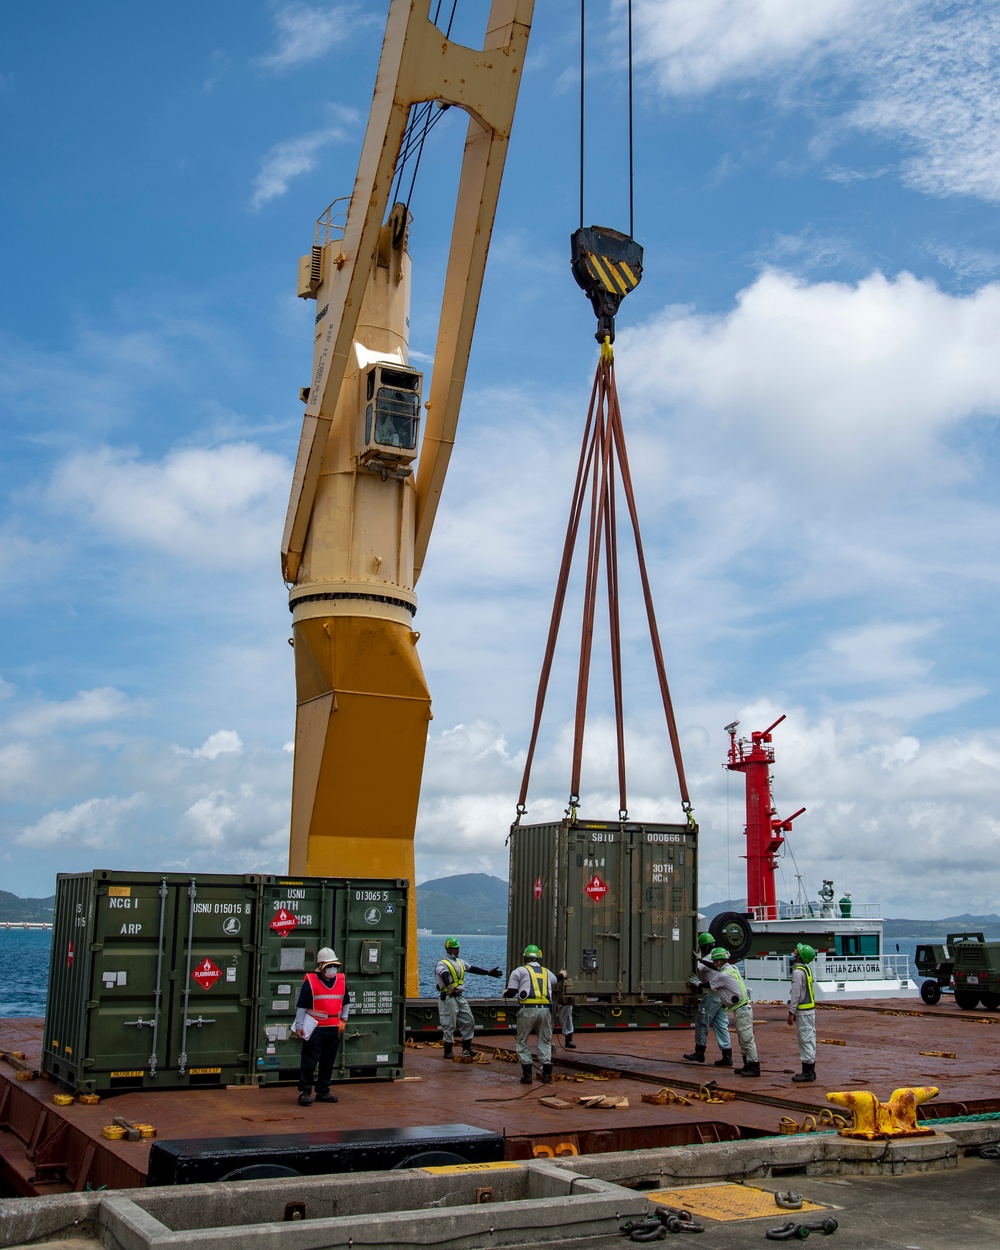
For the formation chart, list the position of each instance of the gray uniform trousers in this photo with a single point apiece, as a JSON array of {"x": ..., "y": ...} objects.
[
  {"x": 712, "y": 1015},
  {"x": 743, "y": 1019},
  {"x": 805, "y": 1029},
  {"x": 455, "y": 1012},
  {"x": 536, "y": 1020}
]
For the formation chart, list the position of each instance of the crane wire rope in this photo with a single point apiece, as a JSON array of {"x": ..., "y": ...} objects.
[
  {"x": 631, "y": 146},
  {"x": 419, "y": 126}
]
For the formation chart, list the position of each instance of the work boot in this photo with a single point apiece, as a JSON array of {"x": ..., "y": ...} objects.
[
  {"x": 749, "y": 1068},
  {"x": 546, "y": 1073},
  {"x": 328, "y": 1097},
  {"x": 726, "y": 1061},
  {"x": 447, "y": 1050},
  {"x": 699, "y": 1054},
  {"x": 467, "y": 1046},
  {"x": 525, "y": 1073},
  {"x": 305, "y": 1100},
  {"x": 808, "y": 1073},
  {"x": 568, "y": 1041}
]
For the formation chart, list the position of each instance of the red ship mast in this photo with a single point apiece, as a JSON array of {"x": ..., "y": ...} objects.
[{"x": 764, "y": 831}]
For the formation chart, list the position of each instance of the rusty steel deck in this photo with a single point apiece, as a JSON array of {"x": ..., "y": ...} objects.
[{"x": 45, "y": 1148}]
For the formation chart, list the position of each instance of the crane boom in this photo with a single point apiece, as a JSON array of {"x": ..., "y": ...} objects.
[{"x": 358, "y": 520}]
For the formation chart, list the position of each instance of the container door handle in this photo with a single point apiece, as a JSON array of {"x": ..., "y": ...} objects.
[{"x": 141, "y": 1024}]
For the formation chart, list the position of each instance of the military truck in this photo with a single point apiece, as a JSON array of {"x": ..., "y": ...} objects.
[{"x": 968, "y": 964}]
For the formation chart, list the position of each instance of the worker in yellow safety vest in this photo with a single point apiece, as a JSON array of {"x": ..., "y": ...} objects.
[
  {"x": 725, "y": 980},
  {"x": 453, "y": 1009},
  {"x": 533, "y": 986},
  {"x": 802, "y": 1010}
]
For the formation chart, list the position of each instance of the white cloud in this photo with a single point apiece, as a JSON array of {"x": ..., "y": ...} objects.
[
  {"x": 293, "y": 157},
  {"x": 222, "y": 742},
  {"x": 306, "y": 33},
  {"x": 220, "y": 506},
  {"x": 921, "y": 73},
  {"x": 846, "y": 383},
  {"x": 695, "y": 45},
  {"x": 94, "y": 824},
  {"x": 89, "y": 707}
]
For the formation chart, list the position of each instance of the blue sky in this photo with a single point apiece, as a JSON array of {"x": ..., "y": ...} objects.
[{"x": 809, "y": 376}]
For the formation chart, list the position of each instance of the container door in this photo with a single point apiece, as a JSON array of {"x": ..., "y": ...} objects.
[
  {"x": 212, "y": 979},
  {"x": 296, "y": 921},
  {"x": 537, "y": 878},
  {"x": 371, "y": 937},
  {"x": 664, "y": 919},
  {"x": 69, "y": 977},
  {"x": 596, "y": 909},
  {"x": 126, "y": 1016}
]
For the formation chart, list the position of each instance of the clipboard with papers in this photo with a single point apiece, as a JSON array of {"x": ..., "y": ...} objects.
[{"x": 308, "y": 1026}]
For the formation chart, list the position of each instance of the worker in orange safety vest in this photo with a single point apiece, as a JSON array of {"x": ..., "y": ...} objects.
[{"x": 320, "y": 1013}]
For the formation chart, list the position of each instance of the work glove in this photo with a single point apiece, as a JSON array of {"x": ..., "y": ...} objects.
[{"x": 495, "y": 972}]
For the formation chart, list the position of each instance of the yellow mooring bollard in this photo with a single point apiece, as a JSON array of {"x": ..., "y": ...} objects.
[{"x": 877, "y": 1121}]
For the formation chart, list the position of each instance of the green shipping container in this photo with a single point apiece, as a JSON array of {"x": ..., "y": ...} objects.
[
  {"x": 151, "y": 980},
  {"x": 614, "y": 904},
  {"x": 365, "y": 923}
]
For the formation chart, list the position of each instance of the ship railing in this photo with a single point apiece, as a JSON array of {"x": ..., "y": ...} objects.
[
  {"x": 846, "y": 968},
  {"x": 817, "y": 911}
]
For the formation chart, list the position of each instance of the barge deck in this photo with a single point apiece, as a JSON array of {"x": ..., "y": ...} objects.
[{"x": 45, "y": 1148}]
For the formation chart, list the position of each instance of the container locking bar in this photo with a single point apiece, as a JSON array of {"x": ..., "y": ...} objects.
[{"x": 607, "y": 265}]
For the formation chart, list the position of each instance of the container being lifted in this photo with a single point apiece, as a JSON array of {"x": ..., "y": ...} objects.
[
  {"x": 173, "y": 981},
  {"x": 613, "y": 903}
]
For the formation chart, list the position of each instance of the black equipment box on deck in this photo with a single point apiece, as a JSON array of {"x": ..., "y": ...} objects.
[{"x": 197, "y": 1160}]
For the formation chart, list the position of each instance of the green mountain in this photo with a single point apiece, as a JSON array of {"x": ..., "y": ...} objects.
[
  {"x": 31, "y": 909},
  {"x": 471, "y": 902}
]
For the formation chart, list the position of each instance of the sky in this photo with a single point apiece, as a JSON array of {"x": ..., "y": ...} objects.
[{"x": 809, "y": 378}]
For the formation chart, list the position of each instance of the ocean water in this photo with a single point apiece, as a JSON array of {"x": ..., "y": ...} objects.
[
  {"x": 24, "y": 967},
  {"x": 24, "y": 971}
]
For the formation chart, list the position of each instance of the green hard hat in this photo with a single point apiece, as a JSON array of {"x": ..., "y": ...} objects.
[
  {"x": 706, "y": 939},
  {"x": 720, "y": 952},
  {"x": 805, "y": 952},
  {"x": 451, "y": 944},
  {"x": 532, "y": 952}
]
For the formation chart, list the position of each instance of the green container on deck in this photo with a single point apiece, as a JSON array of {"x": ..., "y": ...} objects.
[
  {"x": 151, "y": 980},
  {"x": 613, "y": 903},
  {"x": 364, "y": 920}
]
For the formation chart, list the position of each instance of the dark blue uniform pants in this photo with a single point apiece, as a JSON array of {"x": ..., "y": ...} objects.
[{"x": 320, "y": 1049}]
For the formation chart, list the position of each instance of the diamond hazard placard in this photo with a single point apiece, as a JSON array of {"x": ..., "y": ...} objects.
[
  {"x": 284, "y": 922},
  {"x": 206, "y": 974},
  {"x": 538, "y": 889},
  {"x": 595, "y": 888},
  {"x": 69, "y": 956}
]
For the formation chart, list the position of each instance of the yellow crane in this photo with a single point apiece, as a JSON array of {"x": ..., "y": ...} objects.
[{"x": 366, "y": 485}]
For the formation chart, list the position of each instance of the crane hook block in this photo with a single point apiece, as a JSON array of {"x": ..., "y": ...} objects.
[{"x": 607, "y": 265}]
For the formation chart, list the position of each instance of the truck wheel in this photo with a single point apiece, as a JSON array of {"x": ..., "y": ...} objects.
[
  {"x": 732, "y": 930},
  {"x": 967, "y": 1000},
  {"x": 991, "y": 1001},
  {"x": 930, "y": 992}
]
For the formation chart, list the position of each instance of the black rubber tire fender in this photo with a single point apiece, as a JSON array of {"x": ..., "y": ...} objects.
[{"x": 732, "y": 930}]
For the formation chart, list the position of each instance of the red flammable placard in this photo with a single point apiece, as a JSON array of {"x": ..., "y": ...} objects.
[
  {"x": 538, "y": 889},
  {"x": 284, "y": 922},
  {"x": 596, "y": 888},
  {"x": 206, "y": 974}
]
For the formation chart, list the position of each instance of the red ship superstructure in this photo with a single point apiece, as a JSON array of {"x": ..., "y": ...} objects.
[{"x": 765, "y": 831}]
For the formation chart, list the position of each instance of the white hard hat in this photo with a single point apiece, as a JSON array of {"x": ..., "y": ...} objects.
[{"x": 326, "y": 956}]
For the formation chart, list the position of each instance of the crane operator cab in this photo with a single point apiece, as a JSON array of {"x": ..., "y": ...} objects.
[{"x": 390, "y": 416}]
